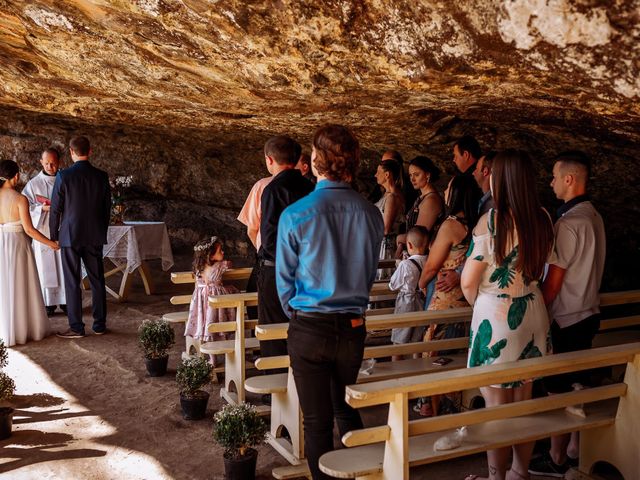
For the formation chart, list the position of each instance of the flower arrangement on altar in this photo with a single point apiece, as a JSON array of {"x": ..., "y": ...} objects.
[{"x": 119, "y": 186}]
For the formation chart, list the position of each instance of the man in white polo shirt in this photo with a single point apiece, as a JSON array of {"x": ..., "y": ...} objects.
[{"x": 571, "y": 289}]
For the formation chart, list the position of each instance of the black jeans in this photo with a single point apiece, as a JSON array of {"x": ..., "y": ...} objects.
[
  {"x": 92, "y": 259},
  {"x": 270, "y": 311},
  {"x": 576, "y": 337},
  {"x": 325, "y": 355},
  {"x": 252, "y": 286}
]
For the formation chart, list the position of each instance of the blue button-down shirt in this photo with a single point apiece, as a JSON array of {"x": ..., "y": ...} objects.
[{"x": 327, "y": 251}]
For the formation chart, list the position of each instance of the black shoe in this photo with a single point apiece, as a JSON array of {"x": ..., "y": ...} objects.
[
  {"x": 50, "y": 311},
  {"x": 545, "y": 466},
  {"x": 70, "y": 334},
  {"x": 63, "y": 308},
  {"x": 100, "y": 332}
]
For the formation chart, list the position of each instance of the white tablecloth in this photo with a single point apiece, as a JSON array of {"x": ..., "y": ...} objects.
[{"x": 134, "y": 242}]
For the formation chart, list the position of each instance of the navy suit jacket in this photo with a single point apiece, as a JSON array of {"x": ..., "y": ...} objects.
[{"x": 80, "y": 206}]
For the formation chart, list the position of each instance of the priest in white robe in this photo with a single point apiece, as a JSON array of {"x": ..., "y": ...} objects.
[{"x": 38, "y": 191}]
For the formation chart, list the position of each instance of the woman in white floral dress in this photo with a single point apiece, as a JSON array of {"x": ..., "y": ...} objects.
[{"x": 510, "y": 246}]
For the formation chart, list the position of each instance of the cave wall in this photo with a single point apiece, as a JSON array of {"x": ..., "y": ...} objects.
[
  {"x": 182, "y": 94},
  {"x": 196, "y": 181}
]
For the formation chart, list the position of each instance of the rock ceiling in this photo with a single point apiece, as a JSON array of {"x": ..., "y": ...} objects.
[{"x": 394, "y": 70}]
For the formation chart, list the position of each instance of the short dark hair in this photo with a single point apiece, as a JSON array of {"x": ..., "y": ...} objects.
[
  {"x": 305, "y": 159},
  {"x": 426, "y": 165},
  {"x": 337, "y": 152},
  {"x": 284, "y": 150},
  {"x": 488, "y": 158},
  {"x": 80, "y": 145},
  {"x": 52, "y": 151},
  {"x": 8, "y": 170},
  {"x": 575, "y": 158},
  {"x": 419, "y": 236},
  {"x": 467, "y": 143}
]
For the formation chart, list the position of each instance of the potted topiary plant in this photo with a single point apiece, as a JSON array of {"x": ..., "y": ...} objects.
[
  {"x": 7, "y": 388},
  {"x": 237, "y": 429},
  {"x": 156, "y": 337},
  {"x": 193, "y": 374}
]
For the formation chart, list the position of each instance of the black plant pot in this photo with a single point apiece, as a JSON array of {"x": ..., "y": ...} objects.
[
  {"x": 157, "y": 367},
  {"x": 241, "y": 468},
  {"x": 6, "y": 421},
  {"x": 194, "y": 407}
]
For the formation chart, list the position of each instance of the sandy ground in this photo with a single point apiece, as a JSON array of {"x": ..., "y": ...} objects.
[{"x": 86, "y": 408}]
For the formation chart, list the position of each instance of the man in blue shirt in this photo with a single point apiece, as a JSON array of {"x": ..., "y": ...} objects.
[{"x": 326, "y": 260}]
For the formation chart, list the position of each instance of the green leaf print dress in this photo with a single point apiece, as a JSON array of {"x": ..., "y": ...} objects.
[{"x": 510, "y": 320}]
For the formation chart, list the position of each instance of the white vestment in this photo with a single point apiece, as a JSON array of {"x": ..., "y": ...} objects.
[{"x": 49, "y": 262}]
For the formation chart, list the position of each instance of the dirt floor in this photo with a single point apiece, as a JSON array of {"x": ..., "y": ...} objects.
[{"x": 86, "y": 408}]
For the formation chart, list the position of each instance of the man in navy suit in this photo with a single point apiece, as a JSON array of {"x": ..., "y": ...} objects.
[{"x": 79, "y": 218}]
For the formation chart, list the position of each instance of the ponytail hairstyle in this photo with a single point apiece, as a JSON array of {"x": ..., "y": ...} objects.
[
  {"x": 395, "y": 170},
  {"x": 202, "y": 251},
  {"x": 519, "y": 212},
  {"x": 8, "y": 170}
]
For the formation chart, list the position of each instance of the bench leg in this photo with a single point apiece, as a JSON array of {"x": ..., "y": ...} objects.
[
  {"x": 617, "y": 444},
  {"x": 191, "y": 342},
  {"x": 234, "y": 365},
  {"x": 396, "y": 449},
  {"x": 285, "y": 412}
]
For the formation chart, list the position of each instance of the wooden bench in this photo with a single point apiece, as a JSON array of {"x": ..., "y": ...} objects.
[
  {"x": 285, "y": 405},
  {"x": 388, "y": 451},
  {"x": 235, "y": 363},
  {"x": 285, "y": 400},
  {"x": 232, "y": 275},
  {"x": 238, "y": 274},
  {"x": 192, "y": 345}
]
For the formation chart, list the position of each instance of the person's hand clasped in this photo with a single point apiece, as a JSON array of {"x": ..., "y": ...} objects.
[
  {"x": 448, "y": 280},
  {"x": 54, "y": 245}
]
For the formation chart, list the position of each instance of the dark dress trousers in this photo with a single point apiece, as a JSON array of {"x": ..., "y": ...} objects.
[
  {"x": 78, "y": 220},
  {"x": 286, "y": 188}
]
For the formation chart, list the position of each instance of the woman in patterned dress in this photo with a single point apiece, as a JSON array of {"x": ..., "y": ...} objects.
[
  {"x": 447, "y": 252},
  {"x": 510, "y": 246}
]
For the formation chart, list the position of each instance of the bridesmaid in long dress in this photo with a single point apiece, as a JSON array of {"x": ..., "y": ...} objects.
[{"x": 22, "y": 313}]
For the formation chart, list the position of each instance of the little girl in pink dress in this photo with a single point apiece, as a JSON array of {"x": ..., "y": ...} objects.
[{"x": 208, "y": 267}]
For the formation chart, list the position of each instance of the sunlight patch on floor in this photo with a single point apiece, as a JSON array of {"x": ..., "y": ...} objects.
[{"x": 56, "y": 436}]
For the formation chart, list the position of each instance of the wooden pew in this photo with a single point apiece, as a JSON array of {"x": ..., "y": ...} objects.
[
  {"x": 285, "y": 404},
  {"x": 192, "y": 344},
  {"x": 245, "y": 273},
  {"x": 235, "y": 363},
  {"x": 388, "y": 451},
  {"x": 232, "y": 275}
]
